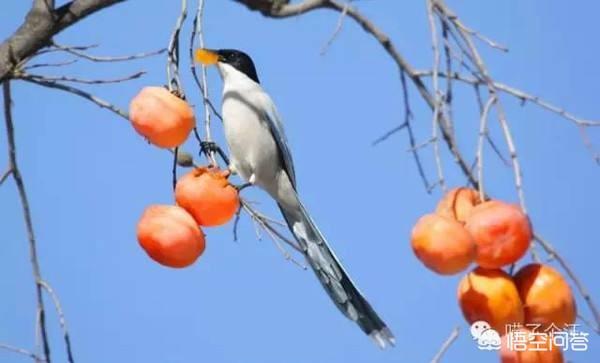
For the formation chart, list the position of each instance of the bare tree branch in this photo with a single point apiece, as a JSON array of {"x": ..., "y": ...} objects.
[
  {"x": 466, "y": 35},
  {"x": 40, "y": 26},
  {"x": 33, "y": 258},
  {"x": 479, "y": 74},
  {"x": 282, "y": 11}
]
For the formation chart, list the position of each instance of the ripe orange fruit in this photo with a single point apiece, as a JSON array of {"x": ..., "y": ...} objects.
[
  {"x": 501, "y": 231},
  {"x": 546, "y": 295},
  {"x": 491, "y": 296},
  {"x": 170, "y": 235},
  {"x": 163, "y": 118},
  {"x": 207, "y": 195},
  {"x": 458, "y": 203},
  {"x": 442, "y": 244},
  {"x": 538, "y": 350}
]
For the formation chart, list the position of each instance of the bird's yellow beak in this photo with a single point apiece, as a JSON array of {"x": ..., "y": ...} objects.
[{"x": 206, "y": 57}]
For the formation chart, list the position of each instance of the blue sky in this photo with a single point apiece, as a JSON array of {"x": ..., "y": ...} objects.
[{"x": 89, "y": 176}]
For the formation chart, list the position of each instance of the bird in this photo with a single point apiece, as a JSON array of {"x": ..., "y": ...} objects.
[{"x": 259, "y": 153}]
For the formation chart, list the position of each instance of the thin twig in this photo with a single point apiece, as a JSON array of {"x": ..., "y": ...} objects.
[
  {"x": 487, "y": 135},
  {"x": 438, "y": 103},
  {"x": 61, "y": 319},
  {"x": 465, "y": 35},
  {"x": 21, "y": 351},
  {"x": 482, "y": 132},
  {"x": 520, "y": 94},
  {"x": 265, "y": 224},
  {"x": 411, "y": 136},
  {"x": 5, "y": 175},
  {"x": 173, "y": 52},
  {"x": 16, "y": 174},
  {"x": 588, "y": 323},
  {"x": 389, "y": 133},
  {"x": 446, "y": 345},
  {"x": 82, "y": 80},
  {"x": 421, "y": 145},
  {"x": 77, "y": 52},
  {"x": 286, "y": 255},
  {"x": 236, "y": 223},
  {"x": 76, "y": 91},
  {"x": 336, "y": 32},
  {"x": 437, "y": 156},
  {"x": 174, "y": 168},
  {"x": 198, "y": 32},
  {"x": 51, "y": 64},
  {"x": 449, "y": 95},
  {"x": 38, "y": 331},
  {"x": 195, "y": 26},
  {"x": 569, "y": 271},
  {"x": 477, "y": 35},
  {"x": 588, "y": 144}
]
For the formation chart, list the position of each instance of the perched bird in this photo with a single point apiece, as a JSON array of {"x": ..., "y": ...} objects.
[{"x": 260, "y": 155}]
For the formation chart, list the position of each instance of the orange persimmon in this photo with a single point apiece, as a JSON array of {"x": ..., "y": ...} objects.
[
  {"x": 458, "y": 203},
  {"x": 170, "y": 235},
  {"x": 161, "y": 117},
  {"x": 442, "y": 244},
  {"x": 547, "y": 297},
  {"x": 207, "y": 195},
  {"x": 501, "y": 231},
  {"x": 491, "y": 296}
]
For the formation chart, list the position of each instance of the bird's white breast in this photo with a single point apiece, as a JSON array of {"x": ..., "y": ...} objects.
[{"x": 252, "y": 148}]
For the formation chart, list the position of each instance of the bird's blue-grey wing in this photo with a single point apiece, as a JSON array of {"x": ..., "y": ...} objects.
[{"x": 275, "y": 124}]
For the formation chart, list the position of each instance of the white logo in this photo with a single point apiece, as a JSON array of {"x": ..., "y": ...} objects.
[
  {"x": 532, "y": 338},
  {"x": 487, "y": 338}
]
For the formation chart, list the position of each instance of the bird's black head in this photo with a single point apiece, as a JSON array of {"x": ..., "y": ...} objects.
[{"x": 240, "y": 61}]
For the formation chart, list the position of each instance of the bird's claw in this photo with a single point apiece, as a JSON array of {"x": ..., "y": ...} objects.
[
  {"x": 211, "y": 147},
  {"x": 241, "y": 187}
]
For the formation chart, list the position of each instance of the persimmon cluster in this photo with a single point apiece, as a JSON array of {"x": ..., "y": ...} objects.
[
  {"x": 172, "y": 234},
  {"x": 466, "y": 229}
]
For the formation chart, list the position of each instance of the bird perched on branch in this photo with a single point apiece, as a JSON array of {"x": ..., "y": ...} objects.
[{"x": 259, "y": 153}]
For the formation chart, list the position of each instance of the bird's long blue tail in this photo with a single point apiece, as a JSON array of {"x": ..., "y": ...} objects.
[{"x": 334, "y": 278}]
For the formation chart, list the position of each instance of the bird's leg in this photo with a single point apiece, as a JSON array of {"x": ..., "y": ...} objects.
[
  {"x": 242, "y": 186},
  {"x": 210, "y": 147},
  {"x": 250, "y": 182}
]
